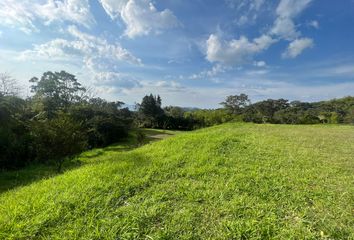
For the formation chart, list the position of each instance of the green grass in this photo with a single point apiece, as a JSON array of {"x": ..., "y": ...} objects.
[
  {"x": 234, "y": 181},
  {"x": 35, "y": 172}
]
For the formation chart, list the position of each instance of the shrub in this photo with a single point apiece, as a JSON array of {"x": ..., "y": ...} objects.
[
  {"x": 140, "y": 137},
  {"x": 58, "y": 139}
]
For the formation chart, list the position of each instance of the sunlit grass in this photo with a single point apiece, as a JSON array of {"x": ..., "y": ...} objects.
[
  {"x": 36, "y": 171},
  {"x": 234, "y": 181}
]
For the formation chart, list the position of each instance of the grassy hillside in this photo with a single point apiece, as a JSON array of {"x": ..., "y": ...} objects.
[
  {"x": 234, "y": 181},
  {"x": 35, "y": 172}
]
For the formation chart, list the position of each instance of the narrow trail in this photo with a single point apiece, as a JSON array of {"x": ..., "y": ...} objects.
[{"x": 159, "y": 136}]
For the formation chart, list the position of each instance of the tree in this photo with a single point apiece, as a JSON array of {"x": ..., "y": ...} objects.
[
  {"x": 349, "y": 118},
  {"x": 57, "y": 122},
  {"x": 269, "y": 107},
  {"x": 58, "y": 139},
  {"x": 104, "y": 122},
  {"x": 150, "y": 111},
  {"x": 56, "y": 91},
  {"x": 8, "y": 85},
  {"x": 235, "y": 104},
  {"x": 174, "y": 111},
  {"x": 140, "y": 137},
  {"x": 15, "y": 137}
]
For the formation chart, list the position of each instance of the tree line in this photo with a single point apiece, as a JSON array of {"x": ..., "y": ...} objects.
[
  {"x": 62, "y": 118},
  {"x": 240, "y": 108},
  {"x": 59, "y": 121}
]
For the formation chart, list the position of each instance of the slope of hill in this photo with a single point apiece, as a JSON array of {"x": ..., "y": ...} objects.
[{"x": 234, "y": 181}]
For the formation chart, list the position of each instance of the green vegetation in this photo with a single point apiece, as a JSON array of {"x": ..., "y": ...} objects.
[
  {"x": 233, "y": 181},
  {"x": 39, "y": 171},
  {"x": 63, "y": 119},
  {"x": 58, "y": 122}
]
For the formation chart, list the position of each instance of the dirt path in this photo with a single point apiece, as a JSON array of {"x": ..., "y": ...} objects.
[{"x": 159, "y": 136}]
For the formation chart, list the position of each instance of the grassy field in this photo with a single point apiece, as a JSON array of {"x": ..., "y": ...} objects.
[
  {"x": 234, "y": 181},
  {"x": 35, "y": 172}
]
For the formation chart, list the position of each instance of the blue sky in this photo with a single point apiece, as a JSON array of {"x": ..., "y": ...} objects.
[{"x": 192, "y": 53}]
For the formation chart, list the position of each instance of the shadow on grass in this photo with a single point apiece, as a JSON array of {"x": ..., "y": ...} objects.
[
  {"x": 35, "y": 172},
  {"x": 32, "y": 173},
  {"x": 119, "y": 148}
]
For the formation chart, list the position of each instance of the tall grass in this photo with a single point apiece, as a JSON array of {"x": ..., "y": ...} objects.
[{"x": 234, "y": 181}]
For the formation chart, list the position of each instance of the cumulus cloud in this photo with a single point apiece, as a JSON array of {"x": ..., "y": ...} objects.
[
  {"x": 242, "y": 50},
  {"x": 77, "y": 11},
  {"x": 285, "y": 28},
  {"x": 140, "y": 16},
  {"x": 100, "y": 58},
  {"x": 297, "y": 46},
  {"x": 287, "y": 10},
  {"x": 236, "y": 51},
  {"x": 116, "y": 80},
  {"x": 24, "y": 14},
  {"x": 82, "y": 45}
]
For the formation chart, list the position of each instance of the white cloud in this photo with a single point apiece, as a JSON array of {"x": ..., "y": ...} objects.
[
  {"x": 214, "y": 71},
  {"x": 53, "y": 49},
  {"x": 170, "y": 91},
  {"x": 247, "y": 11},
  {"x": 77, "y": 11},
  {"x": 140, "y": 16},
  {"x": 17, "y": 14},
  {"x": 291, "y": 8},
  {"x": 113, "y": 7},
  {"x": 257, "y": 72},
  {"x": 287, "y": 10},
  {"x": 102, "y": 47},
  {"x": 242, "y": 20},
  {"x": 297, "y": 46},
  {"x": 285, "y": 28},
  {"x": 164, "y": 84},
  {"x": 99, "y": 57},
  {"x": 83, "y": 45},
  {"x": 314, "y": 24},
  {"x": 236, "y": 51},
  {"x": 247, "y": 5},
  {"x": 257, "y": 87},
  {"x": 115, "y": 80},
  {"x": 242, "y": 50},
  {"x": 334, "y": 70},
  {"x": 346, "y": 70},
  {"x": 24, "y": 14},
  {"x": 260, "y": 64}
]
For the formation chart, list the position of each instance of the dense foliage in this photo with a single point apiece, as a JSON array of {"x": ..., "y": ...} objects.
[
  {"x": 278, "y": 111},
  {"x": 61, "y": 120},
  {"x": 57, "y": 122},
  {"x": 239, "y": 108}
]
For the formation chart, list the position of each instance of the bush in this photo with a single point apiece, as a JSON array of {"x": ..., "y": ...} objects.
[
  {"x": 140, "y": 137},
  {"x": 58, "y": 139},
  {"x": 14, "y": 134},
  {"x": 105, "y": 131}
]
